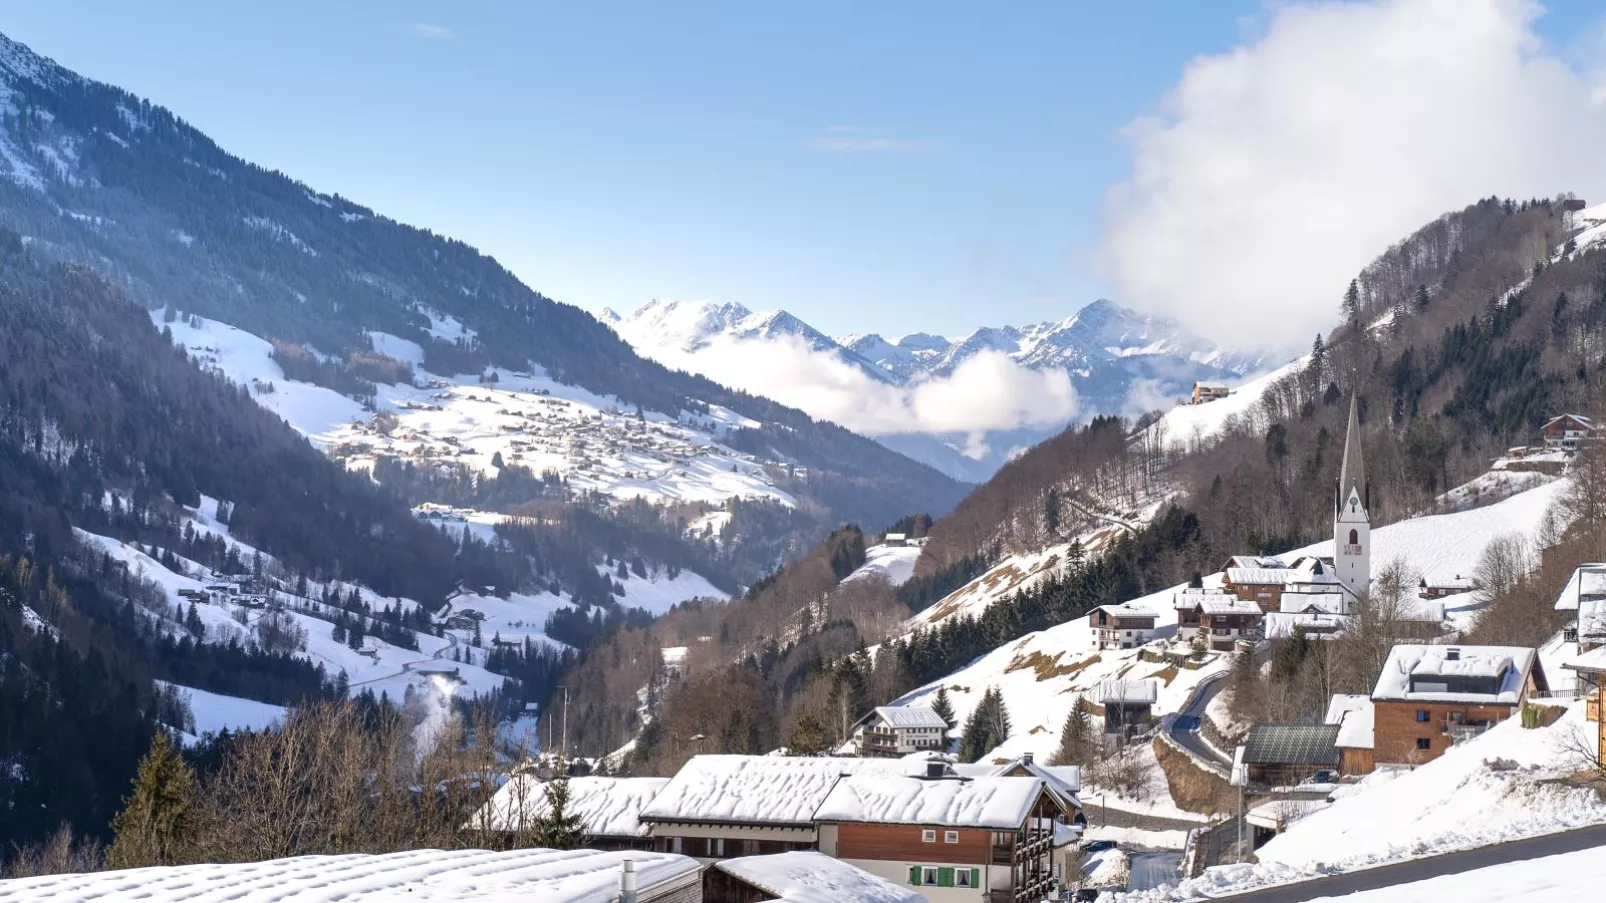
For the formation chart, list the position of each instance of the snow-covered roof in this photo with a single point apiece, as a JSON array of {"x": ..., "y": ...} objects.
[
  {"x": 435, "y": 876},
  {"x": 1583, "y": 421},
  {"x": 1227, "y": 605},
  {"x": 1587, "y": 580},
  {"x": 768, "y": 790},
  {"x": 607, "y": 807},
  {"x": 805, "y": 876},
  {"x": 995, "y": 802},
  {"x": 1325, "y": 603},
  {"x": 910, "y": 716},
  {"x": 1252, "y": 561},
  {"x": 1592, "y": 617},
  {"x": 1258, "y": 576},
  {"x": 1130, "y": 692},
  {"x": 1591, "y": 662},
  {"x": 1458, "y": 583},
  {"x": 1192, "y": 596},
  {"x": 1280, "y": 625},
  {"x": 1353, "y": 715},
  {"x": 1064, "y": 780},
  {"x": 1126, "y": 610},
  {"x": 1509, "y": 664},
  {"x": 1429, "y": 610}
]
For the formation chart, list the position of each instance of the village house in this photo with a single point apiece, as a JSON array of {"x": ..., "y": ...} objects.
[
  {"x": 1186, "y": 606},
  {"x": 1429, "y": 697},
  {"x": 609, "y": 809},
  {"x": 1224, "y": 620},
  {"x": 725, "y": 806},
  {"x": 1567, "y": 431},
  {"x": 1128, "y": 704},
  {"x": 1440, "y": 587},
  {"x": 955, "y": 839},
  {"x": 1590, "y": 668},
  {"x": 1063, "y": 780},
  {"x": 1282, "y": 755},
  {"x": 895, "y": 539},
  {"x": 1353, "y": 714},
  {"x": 1121, "y": 626},
  {"x": 1282, "y": 625},
  {"x": 1260, "y": 585},
  {"x": 1203, "y": 392},
  {"x": 899, "y": 730},
  {"x": 1585, "y": 596}
]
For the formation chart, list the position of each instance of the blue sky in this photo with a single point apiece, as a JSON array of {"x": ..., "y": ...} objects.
[{"x": 890, "y": 167}]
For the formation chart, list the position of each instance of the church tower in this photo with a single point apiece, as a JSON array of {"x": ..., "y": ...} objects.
[{"x": 1352, "y": 525}]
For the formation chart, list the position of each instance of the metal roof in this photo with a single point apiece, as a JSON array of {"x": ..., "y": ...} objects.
[{"x": 1292, "y": 744}]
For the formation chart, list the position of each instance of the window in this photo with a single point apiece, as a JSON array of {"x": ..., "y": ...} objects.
[
  {"x": 928, "y": 876},
  {"x": 1421, "y": 716},
  {"x": 928, "y": 836},
  {"x": 672, "y": 845},
  {"x": 1354, "y": 538},
  {"x": 716, "y": 847},
  {"x": 950, "y": 837},
  {"x": 962, "y": 878},
  {"x": 1424, "y": 743}
]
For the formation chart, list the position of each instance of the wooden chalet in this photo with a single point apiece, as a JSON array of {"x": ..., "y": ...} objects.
[{"x": 1429, "y": 697}]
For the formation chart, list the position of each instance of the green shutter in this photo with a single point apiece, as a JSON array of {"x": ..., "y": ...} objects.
[
  {"x": 945, "y": 877},
  {"x": 914, "y": 875},
  {"x": 975, "y": 877}
]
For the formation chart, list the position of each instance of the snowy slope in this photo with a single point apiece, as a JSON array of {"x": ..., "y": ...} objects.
[
  {"x": 593, "y": 441},
  {"x": 1187, "y": 426},
  {"x": 1564, "y": 878},
  {"x": 214, "y": 712},
  {"x": 895, "y": 564},
  {"x": 1496, "y": 787}
]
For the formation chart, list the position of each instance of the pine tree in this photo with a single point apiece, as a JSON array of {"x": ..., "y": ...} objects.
[
  {"x": 193, "y": 622},
  {"x": 1352, "y": 301},
  {"x": 1422, "y": 297},
  {"x": 943, "y": 706},
  {"x": 557, "y": 828},
  {"x": 160, "y": 821},
  {"x": 1076, "y": 736},
  {"x": 809, "y": 737},
  {"x": 987, "y": 728}
]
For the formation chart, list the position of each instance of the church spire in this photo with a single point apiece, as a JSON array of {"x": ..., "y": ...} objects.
[{"x": 1352, "y": 476}]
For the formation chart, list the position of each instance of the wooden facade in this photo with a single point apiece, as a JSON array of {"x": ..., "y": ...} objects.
[
  {"x": 1269, "y": 596},
  {"x": 904, "y": 842},
  {"x": 1410, "y": 733},
  {"x": 1356, "y": 760}
]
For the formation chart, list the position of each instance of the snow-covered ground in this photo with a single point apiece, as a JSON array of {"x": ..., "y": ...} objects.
[
  {"x": 426, "y": 876},
  {"x": 894, "y": 563},
  {"x": 1188, "y": 426},
  {"x": 214, "y": 712},
  {"x": 1493, "y": 486},
  {"x": 1565, "y": 878},
  {"x": 1505, "y": 784},
  {"x": 595, "y": 442}
]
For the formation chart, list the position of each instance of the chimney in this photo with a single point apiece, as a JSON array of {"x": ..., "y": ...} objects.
[
  {"x": 627, "y": 882},
  {"x": 936, "y": 770},
  {"x": 1452, "y": 655},
  {"x": 1026, "y": 759}
]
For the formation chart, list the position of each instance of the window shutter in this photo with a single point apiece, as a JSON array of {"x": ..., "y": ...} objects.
[
  {"x": 975, "y": 877},
  {"x": 945, "y": 877},
  {"x": 914, "y": 875}
]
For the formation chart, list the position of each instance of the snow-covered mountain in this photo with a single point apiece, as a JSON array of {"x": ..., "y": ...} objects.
[{"x": 1116, "y": 361}]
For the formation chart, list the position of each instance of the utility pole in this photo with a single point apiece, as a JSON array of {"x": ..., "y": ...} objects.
[{"x": 1240, "y": 778}]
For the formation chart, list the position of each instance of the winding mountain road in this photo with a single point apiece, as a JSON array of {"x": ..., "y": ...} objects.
[{"x": 1184, "y": 727}]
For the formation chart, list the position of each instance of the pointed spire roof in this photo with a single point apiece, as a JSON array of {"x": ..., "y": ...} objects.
[{"x": 1353, "y": 473}]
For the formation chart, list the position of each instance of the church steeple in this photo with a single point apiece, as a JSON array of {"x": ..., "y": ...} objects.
[{"x": 1352, "y": 522}]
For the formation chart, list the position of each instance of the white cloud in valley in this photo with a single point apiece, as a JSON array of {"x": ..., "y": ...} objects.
[
  {"x": 986, "y": 392},
  {"x": 1274, "y": 172}
]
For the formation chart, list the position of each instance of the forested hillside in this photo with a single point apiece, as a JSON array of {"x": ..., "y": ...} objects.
[{"x": 97, "y": 175}]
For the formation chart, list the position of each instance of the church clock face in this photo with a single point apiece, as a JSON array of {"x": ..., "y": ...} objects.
[{"x": 1354, "y": 502}]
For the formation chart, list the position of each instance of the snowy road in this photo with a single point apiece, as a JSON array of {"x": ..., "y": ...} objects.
[
  {"x": 1185, "y": 727},
  {"x": 1427, "y": 867}
]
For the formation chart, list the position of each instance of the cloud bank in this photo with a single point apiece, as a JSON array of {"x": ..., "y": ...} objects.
[
  {"x": 1273, "y": 173},
  {"x": 986, "y": 392}
]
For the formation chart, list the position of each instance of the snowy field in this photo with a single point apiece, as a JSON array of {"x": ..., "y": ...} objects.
[
  {"x": 1189, "y": 426},
  {"x": 426, "y": 876},
  {"x": 596, "y": 442},
  {"x": 1567, "y": 878},
  {"x": 214, "y": 712},
  {"x": 896, "y": 564}
]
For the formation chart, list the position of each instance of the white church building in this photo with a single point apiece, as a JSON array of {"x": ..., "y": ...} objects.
[{"x": 1352, "y": 524}]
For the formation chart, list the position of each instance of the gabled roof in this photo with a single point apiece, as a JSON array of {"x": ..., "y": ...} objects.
[
  {"x": 1258, "y": 576},
  {"x": 1064, "y": 780},
  {"x": 1228, "y": 605},
  {"x": 1458, "y": 582},
  {"x": 757, "y": 790},
  {"x": 910, "y": 716},
  {"x": 1512, "y": 665},
  {"x": 1583, "y": 421},
  {"x": 1125, "y": 610},
  {"x": 1323, "y": 603},
  {"x": 1292, "y": 744},
  {"x": 1587, "y": 580},
  {"x": 805, "y": 876},
  {"x": 1281, "y": 625},
  {"x": 1188, "y": 598},
  {"x": 606, "y": 807},
  {"x": 993, "y": 802},
  {"x": 1354, "y": 716}
]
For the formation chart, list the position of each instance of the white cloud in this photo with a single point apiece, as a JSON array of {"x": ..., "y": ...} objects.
[
  {"x": 1276, "y": 171},
  {"x": 432, "y": 32},
  {"x": 987, "y": 392}
]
